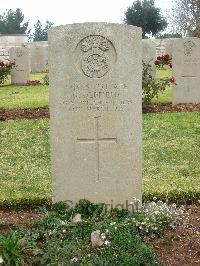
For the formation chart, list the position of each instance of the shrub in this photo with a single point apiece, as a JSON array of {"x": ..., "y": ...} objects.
[
  {"x": 10, "y": 250},
  {"x": 151, "y": 87},
  {"x": 46, "y": 79},
  {"x": 5, "y": 68}
]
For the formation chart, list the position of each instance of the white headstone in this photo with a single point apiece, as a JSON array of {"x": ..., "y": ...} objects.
[
  {"x": 96, "y": 112},
  {"x": 20, "y": 73},
  {"x": 38, "y": 56},
  {"x": 149, "y": 54},
  {"x": 186, "y": 70}
]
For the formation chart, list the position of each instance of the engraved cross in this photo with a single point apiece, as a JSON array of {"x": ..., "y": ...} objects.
[{"x": 97, "y": 141}]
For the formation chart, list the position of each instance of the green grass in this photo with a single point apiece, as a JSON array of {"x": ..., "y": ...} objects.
[
  {"x": 24, "y": 161},
  {"x": 171, "y": 163},
  {"x": 171, "y": 144},
  {"x": 24, "y": 96},
  {"x": 38, "y": 96},
  {"x": 167, "y": 95}
]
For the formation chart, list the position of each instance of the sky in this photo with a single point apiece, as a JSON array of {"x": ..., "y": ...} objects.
[{"x": 73, "y": 11}]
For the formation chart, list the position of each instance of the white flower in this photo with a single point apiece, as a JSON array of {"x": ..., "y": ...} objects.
[
  {"x": 1, "y": 260},
  {"x": 113, "y": 223},
  {"x": 107, "y": 231},
  {"x": 103, "y": 236},
  {"x": 107, "y": 243}
]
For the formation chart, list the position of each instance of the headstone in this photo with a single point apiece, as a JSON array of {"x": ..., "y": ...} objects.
[
  {"x": 95, "y": 105},
  {"x": 20, "y": 73},
  {"x": 160, "y": 46},
  {"x": 149, "y": 54},
  {"x": 186, "y": 70},
  {"x": 169, "y": 46},
  {"x": 38, "y": 57}
]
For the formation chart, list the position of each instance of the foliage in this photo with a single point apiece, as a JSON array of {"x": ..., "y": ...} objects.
[
  {"x": 41, "y": 33},
  {"x": 152, "y": 87},
  {"x": 57, "y": 240},
  {"x": 144, "y": 14},
  {"x": 169, "y": 35},
  {"x": 10, "y": 250},
  {"x": 12, "y": 22},
  {"x": 5, "y": 68},
  {"x": 186, "y": 16}
]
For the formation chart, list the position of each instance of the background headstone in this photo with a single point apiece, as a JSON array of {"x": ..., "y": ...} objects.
[
  {"x": 20, "y": 73},
  {"x": 149, "y": 54},
  {"x": 38, "y": 56},
  {"x": 186, "y": 70},
  {"x": 96, "y": 112}
]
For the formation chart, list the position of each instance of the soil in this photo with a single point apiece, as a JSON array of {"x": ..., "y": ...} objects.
[
  {"x": 178, "y": 247},
  {"x": 17, "y": 114},
  {"x": 168, "y": 107},
  {"x": 36, "y": 113}
]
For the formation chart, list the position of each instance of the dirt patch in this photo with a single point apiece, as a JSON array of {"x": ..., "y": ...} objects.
[
  {"x": 16, "y": 114},
  {"x": 179, "y": 247},
  {"x": 10, "y": 220},
  {"x": 168, "y": 107},
  {"x": 36, "y": 113}
]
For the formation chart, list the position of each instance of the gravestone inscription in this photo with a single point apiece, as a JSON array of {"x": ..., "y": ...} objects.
[{"x": 95, "y": 106}]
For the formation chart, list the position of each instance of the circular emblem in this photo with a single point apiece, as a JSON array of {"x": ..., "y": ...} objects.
[
  {"x": 95, "y": 56},
  {"x": 95, "y": 64}
]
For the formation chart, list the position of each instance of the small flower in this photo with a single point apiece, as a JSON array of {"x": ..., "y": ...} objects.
[
  {"x": 166, "y": 57},
  {"x": 107, "y": 243},
  {"x": 157, "y": 62},
  {"x": 103, "y": 236},
  {"x": 74, "y": 259}
]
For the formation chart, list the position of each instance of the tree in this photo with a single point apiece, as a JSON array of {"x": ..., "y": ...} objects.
[
  {"x": 186, "y": 16},
  {"x": 12, "y": 22},
  {"x": 40, "y": 33},
  {"x": 144, "y": 14}
]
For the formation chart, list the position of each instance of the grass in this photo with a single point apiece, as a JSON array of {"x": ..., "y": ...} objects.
[
  {"x": 38, "y": 96},
  {"x": 171, "y": 144},
  {"x": 24, "y": 161},
  {"x": 167, "y": 95},
  {"x": 24, "y": 96}
]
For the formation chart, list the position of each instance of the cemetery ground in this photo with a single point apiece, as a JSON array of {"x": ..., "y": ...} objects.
[{"x": 171, "y": 163}]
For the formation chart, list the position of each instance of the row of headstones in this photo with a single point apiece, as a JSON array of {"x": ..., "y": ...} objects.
[
  {"x": 29, "y": 58},
  {"x": 185, "y": 54}
]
